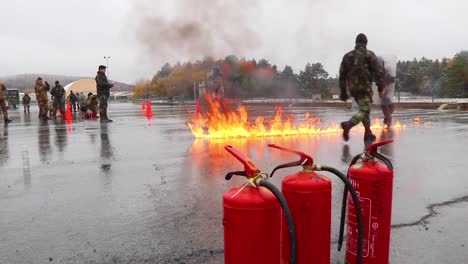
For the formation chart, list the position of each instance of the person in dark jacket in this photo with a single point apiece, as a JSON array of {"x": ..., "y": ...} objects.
[
  {"x": 103, "y": 87},
  {"x": 26, "y": 102},
  {"x": 73, "y": 99},
  {"x": 357, "y": 71},
  {"x": 58, "y": 93}
]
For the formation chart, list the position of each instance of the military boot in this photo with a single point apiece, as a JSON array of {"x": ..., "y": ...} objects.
[
  {"x": 368, "y": 136},
  {"x": 44, "y": 117},
  {"x": 5, "y": 117},
  {"x": 387, "y": 122},
  {"x": 346, "y": 126},
  {"x": 104, "y": 118}
]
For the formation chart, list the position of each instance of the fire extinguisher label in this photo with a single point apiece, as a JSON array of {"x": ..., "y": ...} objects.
[{"x": 366, "y": 209}]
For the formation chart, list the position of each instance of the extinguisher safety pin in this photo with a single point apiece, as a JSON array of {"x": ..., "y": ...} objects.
[{"x": 241, "y": 189}]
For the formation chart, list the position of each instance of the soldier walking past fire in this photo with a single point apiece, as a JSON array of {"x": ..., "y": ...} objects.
[
  {"x": 103, "y": 92},
  {"x": 357, "y": 69},
  {"x": 3, "y": 106},
  {"x": 41, "y": 90},
  {"x": 58, "y": 93}
]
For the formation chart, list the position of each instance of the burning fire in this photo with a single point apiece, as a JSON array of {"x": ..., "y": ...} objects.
[{"x": 220, "y": 122}]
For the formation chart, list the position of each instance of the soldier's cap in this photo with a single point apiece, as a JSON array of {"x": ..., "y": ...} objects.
[
  {"x": 39, "y": 78},
  {"x": 102, "y": 67},
  {"x": 56, "y": 82},
  {"x": 361, "y": 39}
]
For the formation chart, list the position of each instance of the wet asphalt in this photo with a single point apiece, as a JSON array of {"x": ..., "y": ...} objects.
[{"x": 146, "y": 191}]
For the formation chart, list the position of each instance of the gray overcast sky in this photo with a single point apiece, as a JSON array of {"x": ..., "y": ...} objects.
[{"x": 71, "y": 37}]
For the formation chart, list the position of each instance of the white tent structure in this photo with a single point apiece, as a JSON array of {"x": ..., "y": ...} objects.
[{"x": 84, "y": 85}]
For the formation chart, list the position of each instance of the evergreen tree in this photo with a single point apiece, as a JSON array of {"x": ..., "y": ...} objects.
[
  {"x": 457, "y": 76},
  {"x": 313, "y": 80}
]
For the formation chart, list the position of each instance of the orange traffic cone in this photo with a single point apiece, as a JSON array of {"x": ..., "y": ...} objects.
[
  {"x": 149, "y": 111},
  {"x": 68, "y": 114}
]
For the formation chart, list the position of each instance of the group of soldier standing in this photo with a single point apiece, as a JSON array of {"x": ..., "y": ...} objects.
[{"x": 88, "y": 106}]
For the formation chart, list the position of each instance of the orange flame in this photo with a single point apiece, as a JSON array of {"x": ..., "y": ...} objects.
[{"x": 220, "y": 122}]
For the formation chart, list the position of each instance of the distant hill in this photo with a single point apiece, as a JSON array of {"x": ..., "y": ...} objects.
[{"x": 25, "y": 82}]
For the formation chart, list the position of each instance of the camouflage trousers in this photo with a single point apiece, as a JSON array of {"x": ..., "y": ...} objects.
[
  {"x": 43, "y": 106},
  {"x": 3, "y": 108},
  {"x": 102, "y": 104},
  {"x": 364, "y": 107}
]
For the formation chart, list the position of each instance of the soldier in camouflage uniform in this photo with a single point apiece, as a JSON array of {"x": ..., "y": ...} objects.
[
  {"x": 41, "y": 90},
  {"x": 3, "y": 106},
  {"x": 103, "y": 92},
  {"x": 357, "y": 69},
  {"x": 91, "y": 106},
  {"x": 58, "y": 92}
]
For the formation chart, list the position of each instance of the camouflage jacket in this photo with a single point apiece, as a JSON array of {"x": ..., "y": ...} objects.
[
  {"x": 41, "y": 90},
  {"x": 2, "y": 91},
  {"x": 92, "y": 102},
  {"x": 102, "y": 84},
  {"x": 357, "y": 70},
  {"x": 82, "y": 99}
]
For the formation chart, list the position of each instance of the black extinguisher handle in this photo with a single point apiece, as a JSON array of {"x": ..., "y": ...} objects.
[
  {"x": 384, "y": 159},
  {"x": 235, "y": 173},
  {"x": 304, "y": 159},
  {"x": 286, "y": 165}
]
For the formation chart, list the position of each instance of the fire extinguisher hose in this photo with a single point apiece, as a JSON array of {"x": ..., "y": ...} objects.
[
  {"x": 343, "y": 206},
  {"x": 357, "y": 205},
  {"x": 289, "y": 217}
]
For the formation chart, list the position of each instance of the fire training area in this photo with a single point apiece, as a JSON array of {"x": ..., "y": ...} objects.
[{"x": 147, "y": 190}]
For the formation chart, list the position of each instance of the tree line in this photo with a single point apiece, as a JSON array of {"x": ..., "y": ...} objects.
[
  {"x": 444, "y": 78},
  {"x": 244, "y": 78},
  {"x": 241, "y": 79}
]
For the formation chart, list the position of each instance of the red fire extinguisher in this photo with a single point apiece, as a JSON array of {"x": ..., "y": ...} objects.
[
  {"x": 252, "y": 218},
  {"x": 309, "y": 197},
  {"x": 371, "y": 174}
]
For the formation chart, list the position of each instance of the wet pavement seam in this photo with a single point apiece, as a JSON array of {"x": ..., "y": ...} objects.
[{"x": 432, "y": 212}]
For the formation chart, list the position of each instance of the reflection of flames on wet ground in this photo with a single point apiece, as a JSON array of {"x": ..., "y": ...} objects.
[{"x": 219, "y": 121}]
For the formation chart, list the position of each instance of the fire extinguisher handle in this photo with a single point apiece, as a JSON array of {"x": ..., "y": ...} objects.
[
  {"x": 373, "y": 147},
  {"x": 304, "y": 158},
  {"x": 287, "y": 165},
  {"x": 384, "y": 159},
  {"x": 249, "y": 167},
  {"x": 235, "y": 173}
]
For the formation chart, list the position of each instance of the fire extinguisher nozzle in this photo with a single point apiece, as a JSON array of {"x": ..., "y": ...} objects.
[
  {"x": 349, "y": 187},
  {"x": 289, "y": 218}
]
